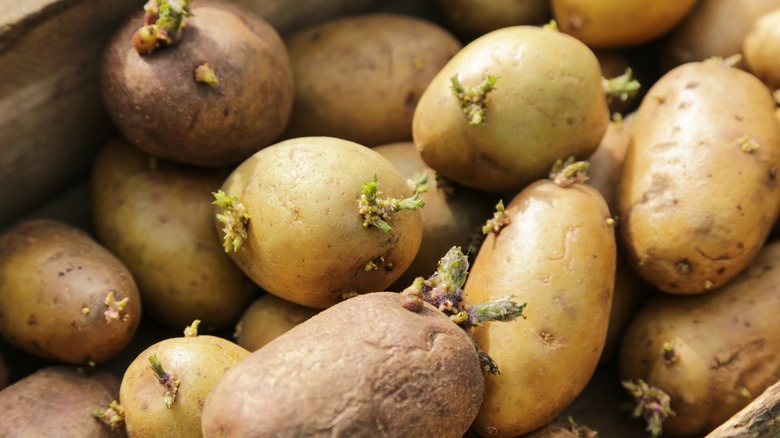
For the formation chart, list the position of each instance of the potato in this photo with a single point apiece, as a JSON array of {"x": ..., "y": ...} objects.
[
  {"x": 547, "y": 103},
  {"x": 712, "y": 28},
  {"x": 63, "y": 296},
  {"x": 390, "y": 59},
  {"x": 712, "y": 353},
  {"x": 762, "y": 49},
  {"x": 698, "y": 194},
  {"x": 158, "y": 103},
  {"x": 615, "y": 23},
  {"x": 562, "y": 430},
  {"x": 557, "y": 254},
  {"x": 473, "y": 18},
  {"x": 364, "y": 367},
  {"x": 451, "y": 215},
  {"x": 268, "y": 318},
  {"x": 169, "y": 404},
  {"x": 305, "y": 238},
  {"x": 287, "y": 16},
  {"x": 156, "y": 216},
  {"x": 606, "y": 164},
  {"x": 58, "y": 401}
]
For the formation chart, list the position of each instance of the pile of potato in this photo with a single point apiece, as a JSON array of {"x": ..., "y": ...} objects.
[{"x": 419, "y": 219}]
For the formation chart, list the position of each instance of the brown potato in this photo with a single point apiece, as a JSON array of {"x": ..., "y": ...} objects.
[
  {"x": 157, "y": 103},
  {"x": 390, "y": 58},
  {"x": 557, "y": 254},
  {"x": 58, "y": 402},
  {"x": 63, "y": 296},
  {"x": 762, "y": 49},
  {"x": 287, "y": 16},
  {"x": 698, "y": 194},
  {"x": 616, "y": 23},
  {"x": 364, "y": 367},
  {"x": 268, "y": 318},
  {"x": 723, "y": 347},
  {"x": 473, "y": 18},
  {"x": 156, "y": 216}
]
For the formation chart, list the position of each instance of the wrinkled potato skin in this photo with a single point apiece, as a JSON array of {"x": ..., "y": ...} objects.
[
  {"x": 451, "y": 213},
  {"x": 61, "y": 315},
  {"x": 58, "y": 401},
  {"x": 268, "y": 318},
  {"x": 290, "y": 15},
  {"x": 547, "y": 104},
  {"x": 198, "y": 362},
  {"x": 157, "y": 218},
  {"x": 159, "y": 106},
  {"x": 762, "y": 49},
  {"x": 394, "y": 373},
  {"x": 726, "y": 342},
  {"x": 307, "y": 243},
  {"x": 694, "y": 207},
  {"x": 615, "y": 23},
  {"x": 393, "y": 58},
  {"x": 558, "y": 255},
  {"x": 474, "y": 18},
  {"x": 713, "y": 28}
]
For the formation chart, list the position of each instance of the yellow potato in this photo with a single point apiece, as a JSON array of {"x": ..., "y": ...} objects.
[
  {"x": 268, "y": 318},
  {"x": 762, "y": 49},
  {"x": 474, "y": 18}
]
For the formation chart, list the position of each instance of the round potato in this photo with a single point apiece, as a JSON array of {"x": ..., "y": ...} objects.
[
  {"x": 156, "y": 216},
  {"x": 699, "y": 192},
  {"x": 293, "y": 221},
  {"x": 557, "y": 253},
  {"x": 163, "y": 106},
  {"x": 268, "y": 318},
  {"x": 711, "y": 353},
  {"x": 364, "y": 367},
  {"x": 473, "y": 18},
  {"x": 390, "y": 60},
  {"x": 508, "y": 105},
  {"x": 762, "y": 49},
  {"x": 616, "y": 23},
  {"x": 63, "y": 296}
]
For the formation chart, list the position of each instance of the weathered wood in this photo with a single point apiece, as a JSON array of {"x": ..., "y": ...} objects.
[{"x": 759, "y": 419}]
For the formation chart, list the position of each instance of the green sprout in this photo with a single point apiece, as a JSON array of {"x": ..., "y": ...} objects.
[
  {"x": 164, "y": 21},
  {"x": 377, "y": 211},
  {"x": 652, "y": 404},
  {"x": 621, "y": 87},
  {"x": 499, "y": 220},
  {"x": 235, "y": 220},
  {"x": 567, "y": 172},
  {"x": 472, "y": 100},
  {"x": 166, "y": 379}
]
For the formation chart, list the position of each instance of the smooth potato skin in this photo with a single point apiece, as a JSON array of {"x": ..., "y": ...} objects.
[
  {"x": 616, "y": 23},
  {"x": 558, "y": 255},
  {"x": 365, "y": 367},
  {"x": 58, "y": 402},
  {"x": 307, "y": 243},
  {"x": 158, "y": 105},
  {"x": 762, "y": 49},
  {"x": 198, "y": 362},
  {"x": 548, "y": 104},
  {"x": 267, "y": 318},
  {"x": 54, "y": 282},
  {"x": 727, "y": 344},
  {"x": 157, "y": 218},
  {"x": 392, "y": 59},
  {"x": 287, "y": 16},
  {"x": 694, "y": 207}
]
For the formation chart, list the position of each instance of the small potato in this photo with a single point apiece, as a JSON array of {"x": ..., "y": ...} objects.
[
  {"x": 156, "y": 216},
  {"x": 616, "y": 23},
  {"x": 268, "y": 318},
  {"x": 359, "y": 78},
  {"x": 364, "y": 367},
  {"x": 711, "y": 353},
  {"x": 699, "y": 192},
  {"x": 63, "y": 296},
  {"x": 473, "y": 18},
  {"x": 58, "y": 402},
  {"x": 762, "y": 49},
  {"x": 288, "y": 16},
  {"x": 545, "y": 101},
  {"x": 557, "y": 253}
]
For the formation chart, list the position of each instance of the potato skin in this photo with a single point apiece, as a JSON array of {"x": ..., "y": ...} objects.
[
  {"x": 159, "y": 106},
  {"x": 307, "y": 243},
  {"x": 726, "y": 343},
  {"x": 364, "y": 367},
  {"x": 548, "y": 104},
  {"x": 288, "y": 16},
  {"x": 694, "y": 207},
  {"x": 558, "y": 255},
  {"x": 268, "y": 318},
  {"x": 473, "y": 18},
  {"x": 392, "y": 58},
  {"x": 58, "y": 401},
  {"x": 61, "y": 315},
  {"x": 762, "y": 49},
  {"x": 157, "y": 218},
  {"x": 615, "y": 23}
]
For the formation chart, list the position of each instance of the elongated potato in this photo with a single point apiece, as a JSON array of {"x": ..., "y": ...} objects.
[
  {"x": 364, "y": 367},
  {"x": 558, "y": 255},
  {"x": 724, "y": 346},
  {"x": 762, "y": 49},
  {"x": 699, "y": 190}
]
